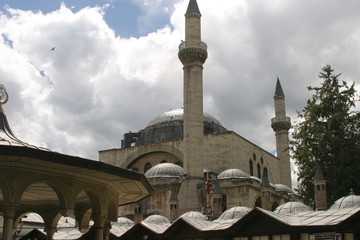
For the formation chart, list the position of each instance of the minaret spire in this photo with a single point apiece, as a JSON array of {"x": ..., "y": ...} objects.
[
  {"x": 193, "y": 7},
  {"x": 281, "y": 125},
  {"x": 192, "y": 54}
]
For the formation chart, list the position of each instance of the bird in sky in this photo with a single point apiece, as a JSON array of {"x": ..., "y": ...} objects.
[{"x": 53, "y": 49}]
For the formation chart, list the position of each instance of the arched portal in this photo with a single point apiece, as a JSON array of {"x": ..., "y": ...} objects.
[{"x": 258, "y": 202}]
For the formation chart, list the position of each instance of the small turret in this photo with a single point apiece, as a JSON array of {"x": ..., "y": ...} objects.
[{"x": 320, "y": 189}]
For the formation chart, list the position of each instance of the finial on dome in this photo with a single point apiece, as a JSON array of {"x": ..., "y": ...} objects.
[
  {"x": 4, "y": 96},
  {"x": 352, "y": 192}
]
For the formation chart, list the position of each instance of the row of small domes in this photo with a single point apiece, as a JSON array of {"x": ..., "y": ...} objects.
[
  {"x": 238, "y": 212},
  {"x": 163, "y": 170}
]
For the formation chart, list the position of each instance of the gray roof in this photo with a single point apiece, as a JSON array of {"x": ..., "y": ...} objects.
[
  {"x": 292, "y": 208},
  {"x": 233, "y": 213},
  {"x": 313, "y": 218},
  {"x": 156, "y": 223},
  {"x": 177, "y": 115},
  {"x": 283, "y": 188},
  {"x": 194, "y": 215},
  {"x": 165, "y": 170},
  {"x": 7, "y": 137},
  {"x": 278, "y": 89},
  {"x": 233, "y": 173},
  {"x": 351, "y": 201},
  {"x": 318, "y": 172},
  {"x": 193, "y": 7},
  {"x": 168, "y": 126}
]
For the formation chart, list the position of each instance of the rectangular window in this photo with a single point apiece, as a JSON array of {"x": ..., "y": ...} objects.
[
  {"x": 349, "y": 236},
  {"x": 280, "y": 237},
  {"x": 304, "y": 236}
]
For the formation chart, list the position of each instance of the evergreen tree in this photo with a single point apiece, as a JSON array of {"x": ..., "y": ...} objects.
[{"x": 328, "y": 133}]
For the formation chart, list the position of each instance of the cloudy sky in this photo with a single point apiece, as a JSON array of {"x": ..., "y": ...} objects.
[{"x": 115, "y": 65}]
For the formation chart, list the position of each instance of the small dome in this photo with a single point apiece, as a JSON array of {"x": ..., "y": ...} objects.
[
  {"x": 289, "y": 208},
  {"x": 232, "y": 173},
  {"x": 124, "y": 222},
  {"x": 194, "y": 215},
  {"x": 255, "y": 179},
  {"x": 156, "y": 219},
  {"x": 283, "y": 188},
  {"x": 165, "y": 170},
  {"x": 233, "y": 213},
  {"x": 351, "y": 201}
]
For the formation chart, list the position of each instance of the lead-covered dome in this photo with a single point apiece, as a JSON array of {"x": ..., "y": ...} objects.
[
  {"x": 350, "y": 201},
  {"x": 233, "y": 173},
  {"x": 165, "y": 170},
  {"x": 233, "y": 213},
  {"x": 283, "y": 188},
  {"x": 156, "y": 219},
  {"x": 176, "y": 115},
  {"x": 168, "y": 126},
  {"x": 289, "y": 208},
  {"x": 194, "y": 215}
]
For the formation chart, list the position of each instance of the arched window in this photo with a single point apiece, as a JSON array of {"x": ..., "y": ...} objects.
[
  {"x": 258, "y": 202},
  {"x": 258, "y": 171},
  {"x": 223, "y": 201},
  {"x": 274, "y": 206},
  {"x": 251, "y": 166},
  {"x": 262, "y": 160},
  {"x": 265, "y": 171},
  {"x": 254, "y": 156},
  {"x": 147, "y": 167}
]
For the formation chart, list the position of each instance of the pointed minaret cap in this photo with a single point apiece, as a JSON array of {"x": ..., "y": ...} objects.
[
  {"x": 278, "y": 90},
  {"x": 319, "y": 176},
  {"x": 193, "y": 7}
]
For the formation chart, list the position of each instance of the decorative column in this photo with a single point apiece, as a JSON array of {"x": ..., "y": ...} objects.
[
  {"x": 107, "y": 228},
  {"x": 9, "y": 212},
  {"x": 50, "y": 233},
  {"x": 99, "y": 222},
  {"x": 192, "y": 54},
  {"x": 281, "y": 125}
]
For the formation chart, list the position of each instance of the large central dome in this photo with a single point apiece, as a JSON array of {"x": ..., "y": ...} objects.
[
  {"x": 176, "y": 115},
  {"x": 168, "y": 126}
]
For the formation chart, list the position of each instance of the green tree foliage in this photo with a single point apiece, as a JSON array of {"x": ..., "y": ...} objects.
[{"x": 328, "y": 133}]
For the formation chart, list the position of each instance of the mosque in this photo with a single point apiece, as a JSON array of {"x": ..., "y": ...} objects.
[
  {"x": 194, "y": 162},
  {"x": 186, "y": 177}
]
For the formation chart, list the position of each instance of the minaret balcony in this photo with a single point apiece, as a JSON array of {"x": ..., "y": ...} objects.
[
  {"x": 192, "y": 53},
  {"x": 280, "y": 123},
  {"x": 185, "y": 44}
]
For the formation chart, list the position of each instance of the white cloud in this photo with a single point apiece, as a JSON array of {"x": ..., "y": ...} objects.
[{"x": 96, "y": 86}]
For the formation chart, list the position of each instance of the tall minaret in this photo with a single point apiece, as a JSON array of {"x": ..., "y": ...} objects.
[
  {"x": 192, "y": 54},
  {"x": 281, "y": 125}
]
